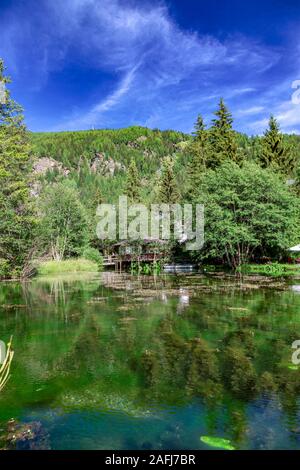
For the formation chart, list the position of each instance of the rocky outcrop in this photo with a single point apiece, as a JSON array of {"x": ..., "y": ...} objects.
[
  {"x": 44, "y": 164},
  {"x": 136, "y": 144},
  {"x": 40, "y": 168},
  {"x": 105, "y": 166}
]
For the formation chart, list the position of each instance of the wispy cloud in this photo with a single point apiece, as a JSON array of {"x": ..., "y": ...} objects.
[
  {"x": 94, "y": 114},
  {"x": 161, "y": 74}
]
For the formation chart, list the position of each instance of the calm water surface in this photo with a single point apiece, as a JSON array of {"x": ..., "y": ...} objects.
[{"x": 110, "y": 361}]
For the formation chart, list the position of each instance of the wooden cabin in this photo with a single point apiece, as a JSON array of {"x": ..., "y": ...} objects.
[{"x": 127, "y": 251}]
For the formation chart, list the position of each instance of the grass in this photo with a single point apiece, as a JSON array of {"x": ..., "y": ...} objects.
[
  {"x": 75, "y": 265},
  {"x": 271, "y": 269}
]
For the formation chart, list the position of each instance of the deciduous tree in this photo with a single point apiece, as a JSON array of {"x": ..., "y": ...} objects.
[{"x": 247, "y": 209}]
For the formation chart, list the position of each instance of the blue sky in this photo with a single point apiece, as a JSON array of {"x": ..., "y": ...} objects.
[{"x": 81, "y": 64}]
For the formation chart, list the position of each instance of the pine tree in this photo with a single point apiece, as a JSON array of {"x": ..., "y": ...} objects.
[
  {"x": 275, "y": 152},
  {"x": 199, "y": 151},
  {"x": 133, "y": 183},
  {"x": 16, "y": 218},
  {"x": 199, "y": 129},
  {"x": 222, "y": 138},
  {"x": 168, "y": 192}
]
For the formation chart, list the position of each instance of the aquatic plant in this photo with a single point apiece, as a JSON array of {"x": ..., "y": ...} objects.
[
  {"x": 238, "y": 372},
  {"x": 270, "y": 269},
  {"x": 217, "y": 442},
  {"x": 145, "y": 268},
  {"x": 267, "y": 382}
]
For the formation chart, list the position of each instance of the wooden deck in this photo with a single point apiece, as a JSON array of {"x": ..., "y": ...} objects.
[{"x": 118, "y": 260}]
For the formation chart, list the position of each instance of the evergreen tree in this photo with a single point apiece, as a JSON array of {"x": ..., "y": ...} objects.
[
  {"x": 275, "y": 152},
  {"x": 222, "y": 138},
  {"x": 199, "y": 129},
  {"x": 297, "y": 180},
  {"x": 199, "y": 153},
  {"x": 16, "y": 218},
  {"x": 133, "y": 183},
  {"x": 168, "y": 192}
]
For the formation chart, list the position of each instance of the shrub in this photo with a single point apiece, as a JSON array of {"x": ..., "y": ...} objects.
[
  {"x": 4, "y": 268},
  {"x": 92, "y": 254}
]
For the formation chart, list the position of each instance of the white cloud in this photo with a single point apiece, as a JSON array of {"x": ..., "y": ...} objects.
[
  {"x": 250, "y": 111},
  {"x": 288, "y": 115},
  {"x": 88, "y": 119},
  {"x": 158, "y": 66}
]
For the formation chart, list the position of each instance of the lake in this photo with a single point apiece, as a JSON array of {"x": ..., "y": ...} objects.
[{"x": 113, "y": 361}]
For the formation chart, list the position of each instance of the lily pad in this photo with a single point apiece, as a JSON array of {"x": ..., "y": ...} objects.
[
  {"x": 293, "y": 367},
  {"x": 218, "y": 442}
]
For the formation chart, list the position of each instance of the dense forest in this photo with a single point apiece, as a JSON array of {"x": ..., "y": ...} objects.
[
  {"x": 52, "y": 183},
  {"x": 93, "y": 156}
]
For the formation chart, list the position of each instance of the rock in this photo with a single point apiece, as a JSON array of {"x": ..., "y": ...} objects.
[
  {"x": 105, "y": 166},
  {"x": 44, "y": 164},
  {"x": 142, "y": 138},
  {"x": 25, "y": 436},
  {"x": 40, "y": 168}
]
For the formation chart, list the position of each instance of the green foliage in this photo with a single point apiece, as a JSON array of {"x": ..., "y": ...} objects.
[
  {"x": 48, "y": 268},
  {"x": 133, "y": 183},
  {"x": 146, "y": 268},
  {"x": 247, "y": 209},
  {"x": 297, "y": 180},
  {"x": 64, "y": 226},
  {"x": 223, "y": 142},
  {"x": 92, "y": 254},
  {"x": 147, "y": 147},
  {"x": 4, "y": 268},
  {"x": 272, "y": 269},
  {"x": 16, "y": 216},
  {"x": 199, "y": 150},
  {"x": 239, "y": 372},
  {"x": 76, "y": 152},
  {"x": 275, "y": 152},
  {"x": 202, "y": 368},
  {"x": 168, "y": 192}
]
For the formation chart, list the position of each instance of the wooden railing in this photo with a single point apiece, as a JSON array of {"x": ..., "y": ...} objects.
[
  {"x": 113, "y": 259},
  {"x": 110, "y": 260}
]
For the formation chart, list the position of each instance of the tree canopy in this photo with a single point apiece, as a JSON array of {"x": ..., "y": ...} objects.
[
  {"x": 247, "y": 210},
  {"x": 16, "y": 216}
]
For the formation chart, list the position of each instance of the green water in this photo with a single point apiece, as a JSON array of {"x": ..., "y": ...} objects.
[{"x": 119, "y": 362}]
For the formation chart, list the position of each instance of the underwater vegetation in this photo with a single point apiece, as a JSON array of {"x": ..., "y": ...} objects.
[
  {"x": 130, "y": 347},
  {"x": 218, "y": 442}
]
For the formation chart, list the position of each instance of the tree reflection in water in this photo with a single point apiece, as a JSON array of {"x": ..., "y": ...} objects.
[{"x": 132, "y": 344}]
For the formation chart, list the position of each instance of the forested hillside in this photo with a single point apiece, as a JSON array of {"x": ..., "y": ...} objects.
[{"x": 99, "y": 159}]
